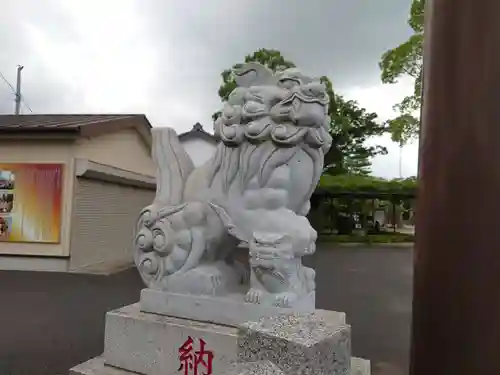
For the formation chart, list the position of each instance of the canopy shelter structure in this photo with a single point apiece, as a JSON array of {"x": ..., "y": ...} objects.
[{"x": 367, "y": 188}]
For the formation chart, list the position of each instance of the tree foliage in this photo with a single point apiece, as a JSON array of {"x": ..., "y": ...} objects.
[
  {"x": 350, "y": 125},
  {"x": 406, "y": 60}
]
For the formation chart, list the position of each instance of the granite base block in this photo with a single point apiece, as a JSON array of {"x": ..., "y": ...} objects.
[
  {"x": 227, "y": 310},
  {"x": 149, "y": 343},
  {"x": 299, "y": 344}
]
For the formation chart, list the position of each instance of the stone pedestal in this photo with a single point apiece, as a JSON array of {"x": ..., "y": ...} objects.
[
  {"x": 227, "y": 310},
  {"x": 143, "y": 343}
]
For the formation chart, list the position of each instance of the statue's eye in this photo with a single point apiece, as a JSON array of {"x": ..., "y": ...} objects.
[{"x": 288, "y": 83}]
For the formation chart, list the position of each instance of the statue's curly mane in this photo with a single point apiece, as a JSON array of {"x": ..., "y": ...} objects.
[{"x": 261, "y": 129}]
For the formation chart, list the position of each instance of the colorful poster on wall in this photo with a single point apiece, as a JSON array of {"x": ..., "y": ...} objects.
[{"x": 30, "y": 202}]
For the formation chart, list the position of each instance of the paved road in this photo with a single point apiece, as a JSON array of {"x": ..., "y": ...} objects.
[
  {"x": 50, "y": 322},
  {"x": 373, "y": 286}
]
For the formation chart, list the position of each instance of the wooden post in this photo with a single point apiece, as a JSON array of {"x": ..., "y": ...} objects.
[{"x": 456, "y": 307}]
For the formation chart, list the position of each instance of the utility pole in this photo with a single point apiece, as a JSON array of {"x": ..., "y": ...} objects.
[{"x": 18, "y": 89}]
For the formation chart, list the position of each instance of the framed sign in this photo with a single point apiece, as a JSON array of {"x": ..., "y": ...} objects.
[{"x": 30, "y": 202}]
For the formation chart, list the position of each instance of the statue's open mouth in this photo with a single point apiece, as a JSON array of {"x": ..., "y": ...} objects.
[
  {"x": 300, "y": 110},
  {"x": 267, "y": 254},
  {"x": 268, "y": 269},
  {"x": 302, "y": 98}
]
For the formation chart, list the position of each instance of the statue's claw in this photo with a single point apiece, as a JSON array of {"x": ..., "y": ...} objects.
[
  {"x": 215, "y": 281},
  {"x": 285, "y": 299},
  {"x": 253, "y": 296}
]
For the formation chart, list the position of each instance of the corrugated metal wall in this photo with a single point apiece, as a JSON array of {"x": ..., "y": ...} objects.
[{"x": 104, "y": 216}]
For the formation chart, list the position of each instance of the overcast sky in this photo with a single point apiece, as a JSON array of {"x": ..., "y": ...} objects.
[{"x": 164, "y": 57}]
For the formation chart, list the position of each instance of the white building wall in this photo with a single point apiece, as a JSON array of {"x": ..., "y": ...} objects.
[{"x": 200, "y": 150}]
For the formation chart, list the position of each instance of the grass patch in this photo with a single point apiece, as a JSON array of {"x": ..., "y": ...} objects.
[{"x": 368, "y": 239}]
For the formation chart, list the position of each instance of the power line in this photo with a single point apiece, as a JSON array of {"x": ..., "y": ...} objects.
[
  {"x": 23, "y": 101},
  {"x": 8, "y": 83}
]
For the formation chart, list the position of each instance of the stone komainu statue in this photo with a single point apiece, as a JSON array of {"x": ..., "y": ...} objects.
[{"x": 253, "y": 192}]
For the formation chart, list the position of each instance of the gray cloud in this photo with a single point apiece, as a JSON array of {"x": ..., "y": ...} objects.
[
  {"x": 164, "y": 58},
  {"x": 342, "y": 39},
  {"x": 195, "y": 40}
]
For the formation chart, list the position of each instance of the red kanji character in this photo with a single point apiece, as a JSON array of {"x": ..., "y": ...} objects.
[
  {"x": 186, "y": 356},
  {"x": 204, "y": 358},
  {"x": 191, "y": 360}
]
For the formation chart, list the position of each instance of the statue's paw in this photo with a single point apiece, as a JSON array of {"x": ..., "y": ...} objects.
[
  {"x": 285, "y": 299},
  {"x": 253, "y": 296}
]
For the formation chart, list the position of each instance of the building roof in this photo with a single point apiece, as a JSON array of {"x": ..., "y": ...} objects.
[
  {"x": 82, "y": 124},
  {"x": 198, "y": 132},
  {"x": 55, "y": 122},
  {"x": 88, "y": 125}
]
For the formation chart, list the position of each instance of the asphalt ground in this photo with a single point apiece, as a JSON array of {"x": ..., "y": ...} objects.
[{"x": 49, "y": 322}]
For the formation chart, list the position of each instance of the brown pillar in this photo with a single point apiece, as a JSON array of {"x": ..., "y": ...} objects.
[{"x": 456, "y": 308}]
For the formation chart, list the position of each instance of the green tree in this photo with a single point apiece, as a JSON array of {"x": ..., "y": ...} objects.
[
  {"x": 350, "y": 125},
  {"x": 406, "y": 60}
]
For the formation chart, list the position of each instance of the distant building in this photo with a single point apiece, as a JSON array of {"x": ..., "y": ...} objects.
[
  {"x": 199, "y": 144},
  {"x": 72, "y": 186},
  {"x": 76, "y": 184}
]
